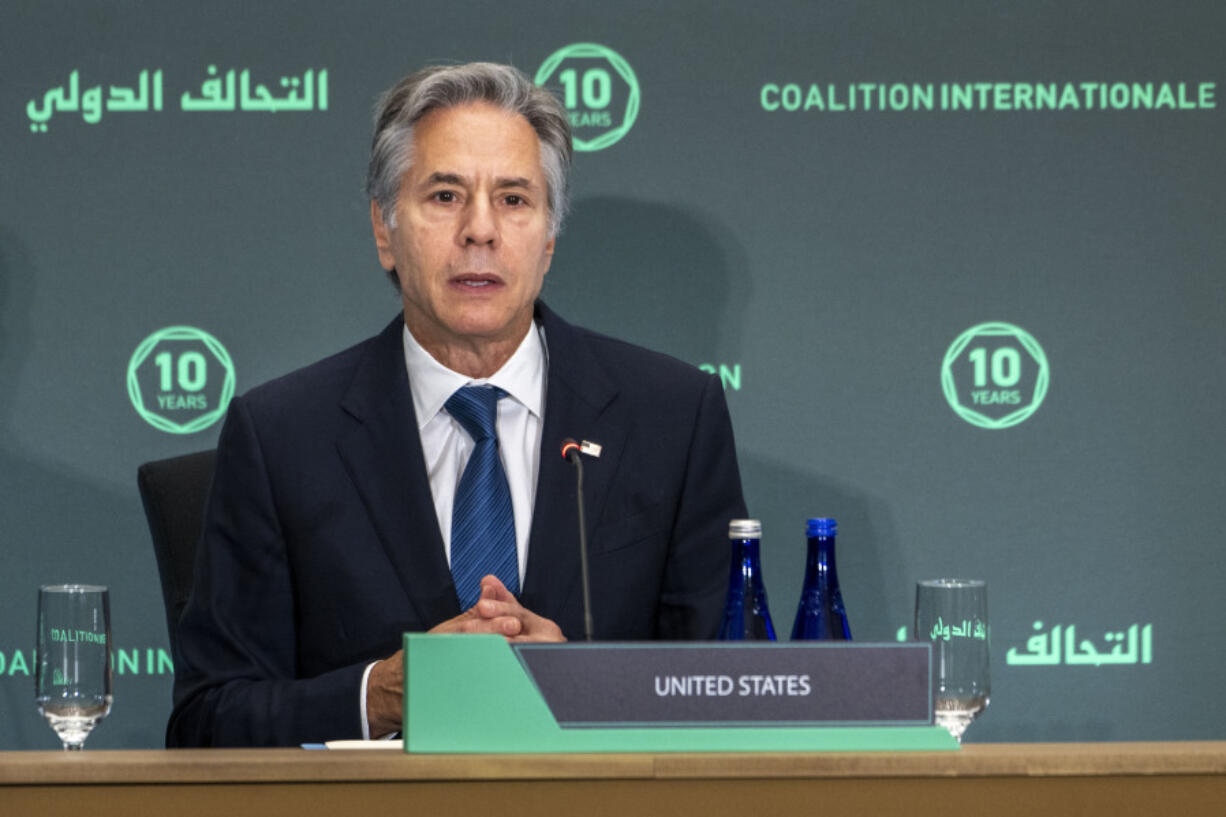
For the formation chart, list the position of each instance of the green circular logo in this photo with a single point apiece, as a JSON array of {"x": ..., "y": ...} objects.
[
  {"x": 995, "y": 375},
  {"x": 599, "y": 90},
  {"x": 180, "y": 379}
]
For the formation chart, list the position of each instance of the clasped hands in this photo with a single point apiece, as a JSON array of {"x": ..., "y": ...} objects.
[{"x": 497, "y": 611}]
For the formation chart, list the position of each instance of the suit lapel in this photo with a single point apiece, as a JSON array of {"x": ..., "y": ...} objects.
[
  {"x": 382, "y": 452},
  {"x": 580, "y": 402}
]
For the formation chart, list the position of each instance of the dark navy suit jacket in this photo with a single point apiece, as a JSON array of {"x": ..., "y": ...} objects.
[{"x": 321, "y": 544}]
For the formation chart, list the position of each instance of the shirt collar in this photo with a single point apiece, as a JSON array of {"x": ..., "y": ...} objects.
[{"x": 432, "y": 384}]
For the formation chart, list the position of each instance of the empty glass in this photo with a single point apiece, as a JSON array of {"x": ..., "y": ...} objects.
[
  {"x": 953, "y": 615},
  {"x": 72, "y": 681}
]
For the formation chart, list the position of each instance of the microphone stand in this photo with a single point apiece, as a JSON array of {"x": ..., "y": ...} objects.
[{"x": 570, "y": 450}]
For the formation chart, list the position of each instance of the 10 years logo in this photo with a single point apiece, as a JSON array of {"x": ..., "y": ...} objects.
[
  {"x": 180, "y": 380},
  {"x": 995, "y": 375},
  {"x": 599, "y": 90}
]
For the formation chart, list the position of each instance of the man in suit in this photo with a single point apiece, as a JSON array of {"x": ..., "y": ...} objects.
[{"x": 413, "y": 482}]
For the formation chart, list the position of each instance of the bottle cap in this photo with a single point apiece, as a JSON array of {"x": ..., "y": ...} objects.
[
  {"x": 745, "y": 529},
  {"x": 822, "y": 527}
]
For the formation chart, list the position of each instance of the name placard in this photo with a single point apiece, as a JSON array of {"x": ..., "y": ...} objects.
[
  {"x": 747, "y": 684},
  {"x": 478, "y": 693}
]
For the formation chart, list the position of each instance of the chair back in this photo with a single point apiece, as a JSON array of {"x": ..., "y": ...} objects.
[{"x": 174, "y": 492}]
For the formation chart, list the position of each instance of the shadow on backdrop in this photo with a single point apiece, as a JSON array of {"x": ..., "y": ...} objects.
[
  {"x": 58, "y": 527},
  {"x": 655, "y": 275},
  {"x": 675, "y": 280}
]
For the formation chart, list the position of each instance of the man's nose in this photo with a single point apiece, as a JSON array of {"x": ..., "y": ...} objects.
[{"x": 480, "y": 223}]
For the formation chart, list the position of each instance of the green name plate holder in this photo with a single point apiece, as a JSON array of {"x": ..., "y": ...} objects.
[{"x": 473, "y": 694}]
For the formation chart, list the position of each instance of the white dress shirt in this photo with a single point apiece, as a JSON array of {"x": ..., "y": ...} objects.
[{"x": 446, "y": 446}]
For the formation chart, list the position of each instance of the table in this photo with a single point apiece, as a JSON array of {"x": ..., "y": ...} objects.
[{"x": 1119, "y": 779}]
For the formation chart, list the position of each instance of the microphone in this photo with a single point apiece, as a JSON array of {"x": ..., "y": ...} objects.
[{"x": 570, "y": 453}]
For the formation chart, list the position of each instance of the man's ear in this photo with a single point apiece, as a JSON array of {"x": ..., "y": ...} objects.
[
  {"x": 383, "y": 236},
  {"x": 549, "y": 247}
]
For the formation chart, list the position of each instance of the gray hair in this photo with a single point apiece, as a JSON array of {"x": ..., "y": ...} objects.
[{"x": 449, "y": 86}]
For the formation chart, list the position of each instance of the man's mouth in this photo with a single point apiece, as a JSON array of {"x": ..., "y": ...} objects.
[{"x": 476, "y": 281}]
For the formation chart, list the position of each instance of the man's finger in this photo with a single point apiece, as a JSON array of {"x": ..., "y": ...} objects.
[
  {"x": 539, "y": 628},
  {"x": 488, "y": 608},
  {"x": 493, "y": 588},
  {"x": 508, "y": 626}
]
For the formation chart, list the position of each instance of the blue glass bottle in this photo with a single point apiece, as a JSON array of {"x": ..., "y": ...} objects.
[
  {"x": 821, "y": 614},
  {"x": 746, "y": 615}
]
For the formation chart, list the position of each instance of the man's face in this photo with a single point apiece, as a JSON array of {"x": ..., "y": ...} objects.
[{"x": 471, "y": 243}]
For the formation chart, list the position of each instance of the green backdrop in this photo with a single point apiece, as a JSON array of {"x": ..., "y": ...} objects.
[{"x": 958, "y": 263}]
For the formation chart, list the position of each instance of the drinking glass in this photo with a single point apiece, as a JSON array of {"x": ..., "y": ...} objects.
[
  {"x": 953, "y": 615},
  {"x": 72, "y": 682}
]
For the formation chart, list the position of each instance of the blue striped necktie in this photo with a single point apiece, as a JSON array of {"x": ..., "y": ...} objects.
[{"x": 482, "y": 521}]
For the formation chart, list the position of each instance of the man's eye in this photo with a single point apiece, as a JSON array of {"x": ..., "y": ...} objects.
[
  {"x": 445, "y": 196},
  {"x": 514, "y": 200}
]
